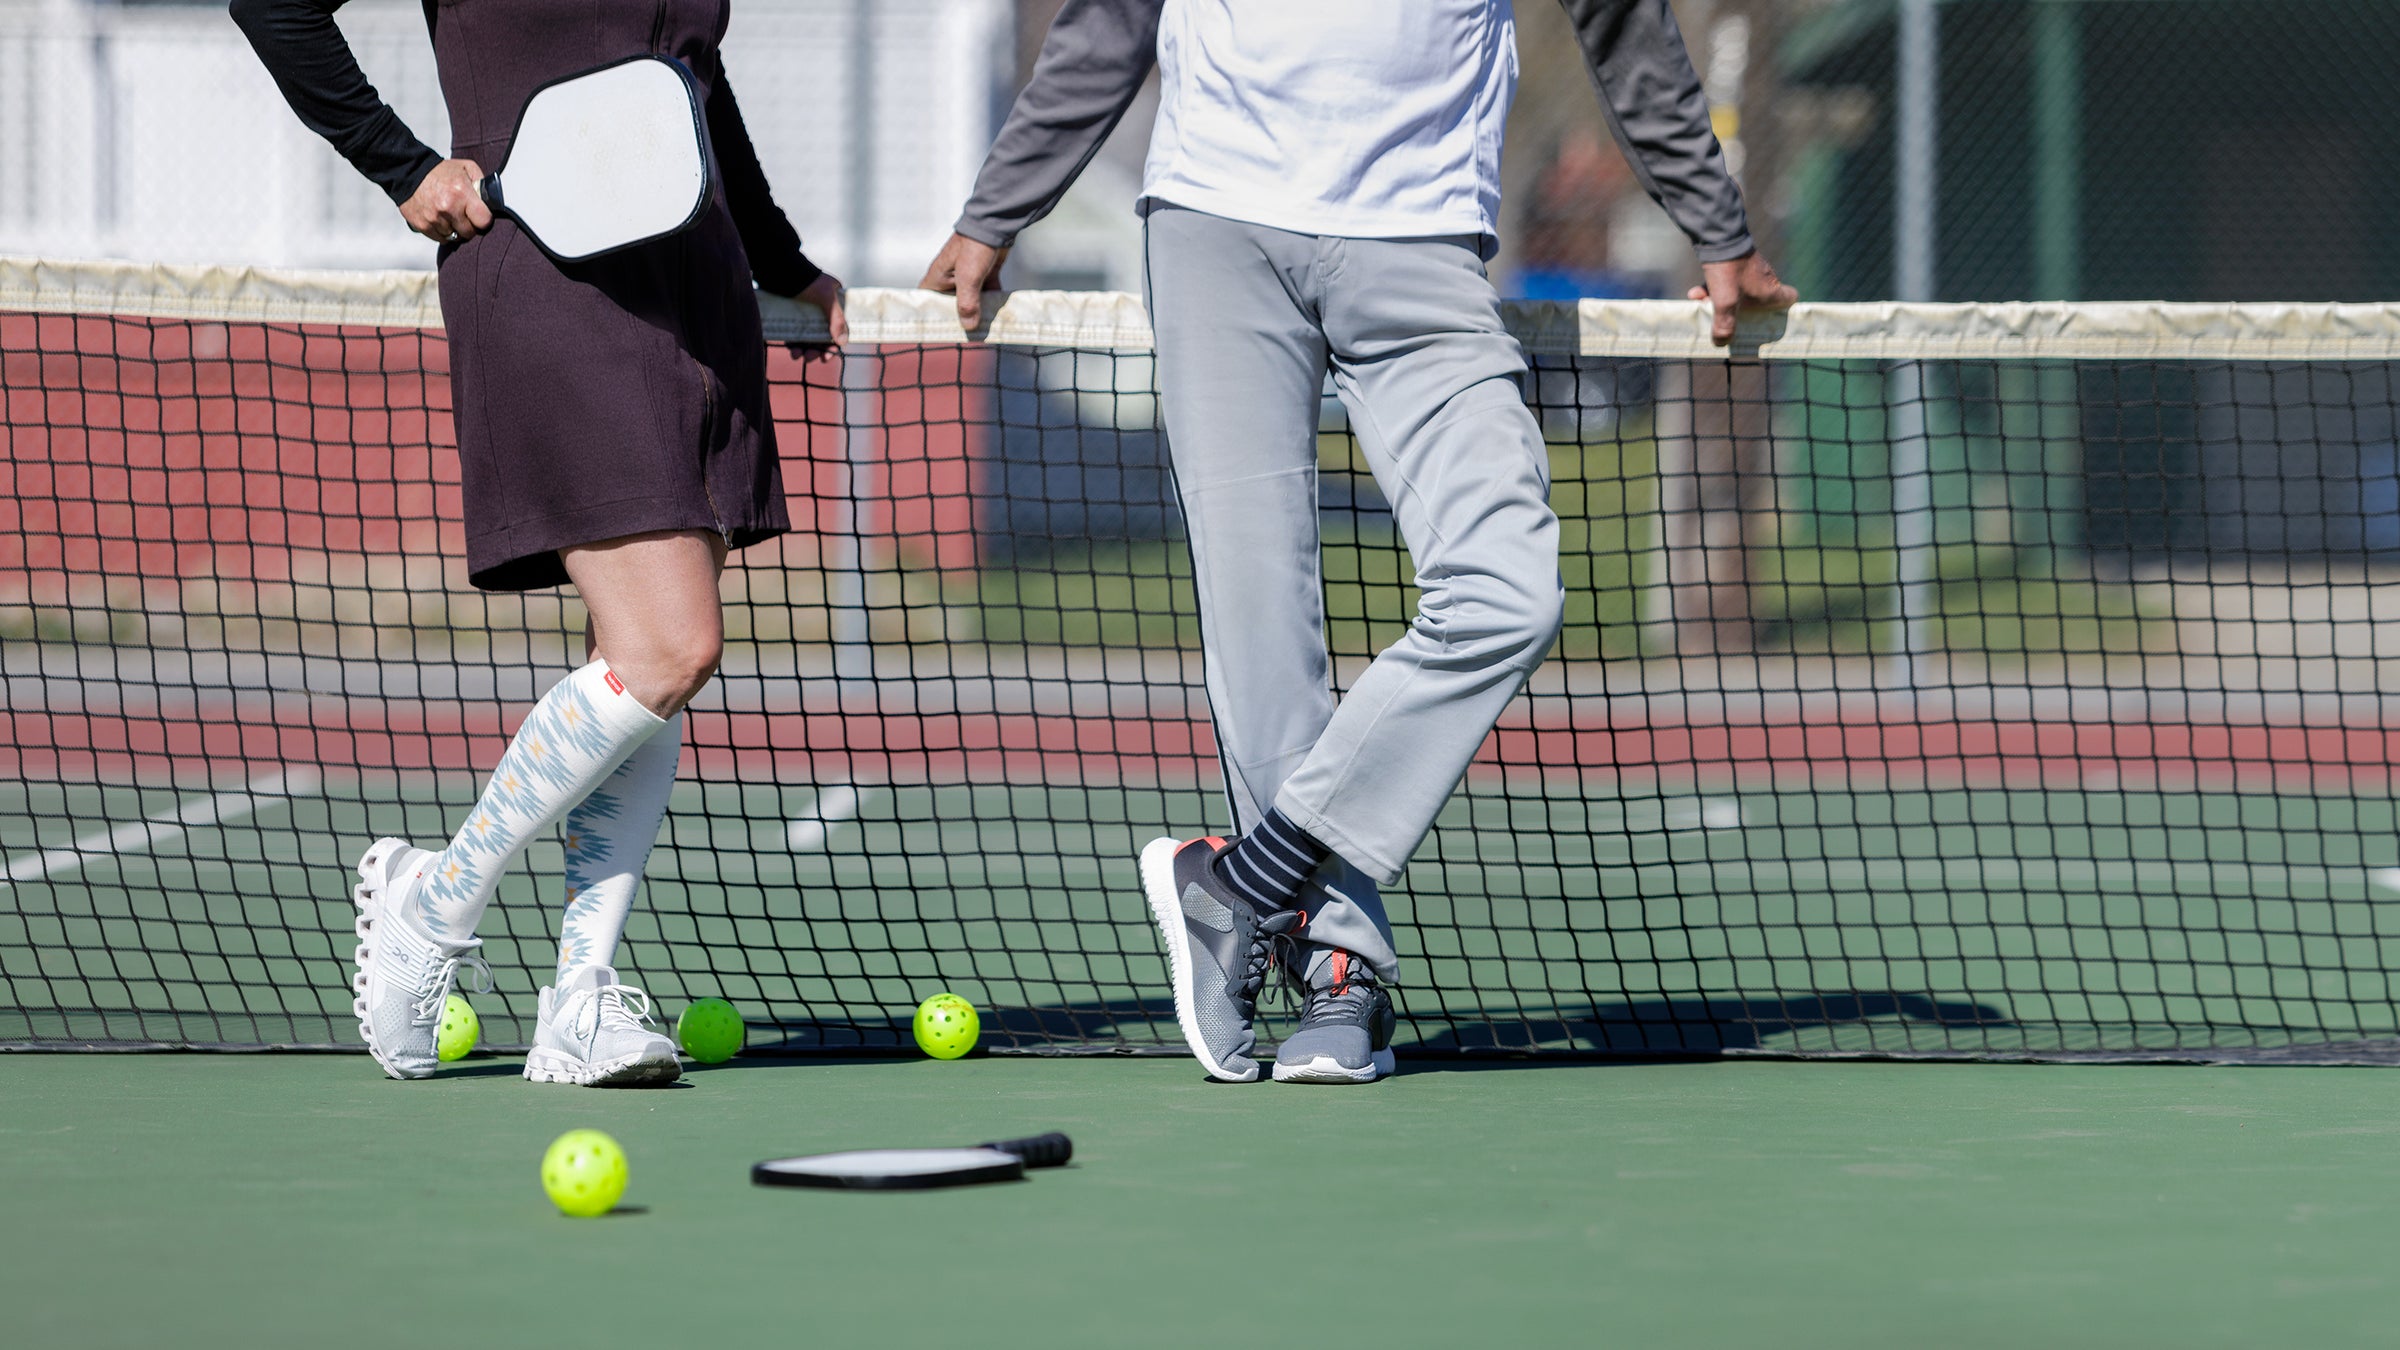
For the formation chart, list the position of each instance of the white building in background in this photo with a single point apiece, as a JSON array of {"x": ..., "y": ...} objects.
[{"x": 149, "y": 131}]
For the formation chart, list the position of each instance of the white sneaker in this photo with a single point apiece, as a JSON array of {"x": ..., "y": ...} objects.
[
  {"x": 594, "y": 1033},
  {"x": 404, "y": 973}
]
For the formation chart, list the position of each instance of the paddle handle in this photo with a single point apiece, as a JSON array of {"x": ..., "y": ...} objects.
[
  {"x": 1041, "y": 1150},
  {"x": 488, "y": 188}
]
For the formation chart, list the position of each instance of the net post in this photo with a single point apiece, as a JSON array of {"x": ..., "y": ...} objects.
[
  {"x": 859, "y": 168},
  {"x": 1905, "y": 395},
  {"x": 1916, "y": 179},
  {"x": 1717, "y": 494},
  {"x": 2057, "y": 149},
  {"x": 849, "y": 622}
]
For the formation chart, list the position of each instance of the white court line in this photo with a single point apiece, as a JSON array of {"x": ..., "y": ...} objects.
[
  {"x": 1652, "y": 815},
  {"x": 165, "y": 826},
  {"x": 835, "y": 803},
  {"x": 2187, "y": 879},
  {"x": 2386, "y": 877},
  {"x": 1701, "y": 813}
]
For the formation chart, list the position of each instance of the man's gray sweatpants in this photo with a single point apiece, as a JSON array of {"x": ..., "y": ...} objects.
[{"x": 1248, "y": 320}]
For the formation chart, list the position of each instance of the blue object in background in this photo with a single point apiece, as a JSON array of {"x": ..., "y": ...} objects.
[{"x": 1583, "y": 283}]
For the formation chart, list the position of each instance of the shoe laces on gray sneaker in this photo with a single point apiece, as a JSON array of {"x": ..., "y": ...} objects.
[
  {"x": 1272, "y": 951},
  {"x": 1343, "y": 992},
  {"x": 1346, "y": 1025}
]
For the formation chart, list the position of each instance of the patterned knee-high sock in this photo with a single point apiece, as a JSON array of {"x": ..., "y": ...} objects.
[
  {"x": 609, "y": 835},
  {"x": 1269, "y": 865},
  {"x": 571, "y": 742}
]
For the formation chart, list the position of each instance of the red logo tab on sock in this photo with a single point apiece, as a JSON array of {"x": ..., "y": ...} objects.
[{"x": 615, "y": 685}]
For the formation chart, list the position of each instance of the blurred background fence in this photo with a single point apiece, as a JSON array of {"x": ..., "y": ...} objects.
[
  {"x": 1939, "y": 150},
  {"x": 149, "y": 131},
  {"x": 1908, "y": 149}
]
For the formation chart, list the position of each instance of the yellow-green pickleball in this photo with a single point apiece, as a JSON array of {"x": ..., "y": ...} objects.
[
  {"x": 459, "y": 1031},
  {"x": 947, "y": 1026},
  {"x": 584, "y": 1173},
  {"x": 711, "y": 1031}
]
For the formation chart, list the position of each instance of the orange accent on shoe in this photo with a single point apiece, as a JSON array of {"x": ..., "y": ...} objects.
[{"x": 1341, "y": 970}]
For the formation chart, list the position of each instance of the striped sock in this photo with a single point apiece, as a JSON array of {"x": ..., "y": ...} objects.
[{"x": 1269, "y": 865}]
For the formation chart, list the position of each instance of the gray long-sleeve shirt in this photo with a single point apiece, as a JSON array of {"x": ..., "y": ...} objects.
[{"x": 1098, "y": 53}]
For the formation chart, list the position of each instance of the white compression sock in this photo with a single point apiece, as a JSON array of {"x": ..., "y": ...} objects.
[
  {"x": 571, "y": 742},
  {"x": 609, "y": 835}
]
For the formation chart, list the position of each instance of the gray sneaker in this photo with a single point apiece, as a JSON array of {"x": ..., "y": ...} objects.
[
  {"x": 404, "y": 974},
  {"x": 1346, "y": 1025},
  {"x": 595, "y": 1032},
  {"x": 1218, "y": 952}
]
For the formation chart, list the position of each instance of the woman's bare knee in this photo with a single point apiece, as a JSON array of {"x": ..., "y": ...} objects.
[
  {"x": 667, "y": 675},
  {"x": 694, "y": 663},
  {"x": 655, "y": 619}
]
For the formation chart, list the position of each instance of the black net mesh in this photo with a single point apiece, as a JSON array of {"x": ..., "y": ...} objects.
[{"x": 1918, "y": 708}]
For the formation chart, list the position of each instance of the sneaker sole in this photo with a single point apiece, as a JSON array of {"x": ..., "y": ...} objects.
[
  {"x": 551, "y": 1066},
  {"x": 1327, "y": 1069},
  {"x": 373, "y": 874},
  {"x": 1158, "y": 886}
]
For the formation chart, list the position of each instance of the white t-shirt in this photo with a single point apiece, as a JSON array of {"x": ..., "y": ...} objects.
[{"x": 1358, "y": 118}]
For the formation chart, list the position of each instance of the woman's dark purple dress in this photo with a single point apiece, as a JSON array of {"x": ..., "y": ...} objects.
[{"x": 599, "y": 399}]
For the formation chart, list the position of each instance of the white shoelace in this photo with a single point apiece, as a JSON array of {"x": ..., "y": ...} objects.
[
  {"x": 425, "y": 969},
  {"x": 608, "y": 1006}
]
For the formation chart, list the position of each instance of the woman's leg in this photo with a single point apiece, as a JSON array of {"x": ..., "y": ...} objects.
[
  {"x": 656, "y": 618},
  {"x": 656, "y": 624},
  {"x": 659, "y": 633},
  {"x": 609, "y": 834}
]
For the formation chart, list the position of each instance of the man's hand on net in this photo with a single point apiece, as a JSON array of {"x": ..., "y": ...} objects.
[
  {"x": 1746, "y": 282},
  {"x": 446, "y": 207},
  {"x": 966, "y": 268}
]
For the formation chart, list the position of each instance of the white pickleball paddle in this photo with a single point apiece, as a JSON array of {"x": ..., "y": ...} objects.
[{"x": 606, "y": 159}]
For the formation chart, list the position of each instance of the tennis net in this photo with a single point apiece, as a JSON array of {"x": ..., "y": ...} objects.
[{"x": 1938, "y": 681}]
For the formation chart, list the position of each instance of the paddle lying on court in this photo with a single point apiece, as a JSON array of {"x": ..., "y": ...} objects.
[
  {"x": 606, "y": 159},
  {"x": 916, "y": 1169}
]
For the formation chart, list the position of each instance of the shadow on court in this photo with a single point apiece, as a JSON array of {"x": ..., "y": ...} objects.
[
  {"x": 1698, "y": 1027},
  {"x": 1655, "y": 1028}
]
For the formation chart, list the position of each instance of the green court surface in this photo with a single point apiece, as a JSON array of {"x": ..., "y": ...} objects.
[{"x": 303, "y": 1200}]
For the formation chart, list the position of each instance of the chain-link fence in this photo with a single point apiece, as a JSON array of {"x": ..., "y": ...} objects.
[
  {"x": 1936, "y": 149},
  {"x": 1998, "y": 150},
  {"x": 2197, "y": 150}
]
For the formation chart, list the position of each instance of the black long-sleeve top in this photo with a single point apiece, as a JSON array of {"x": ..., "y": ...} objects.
[{"x": 312, "y": 64}]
